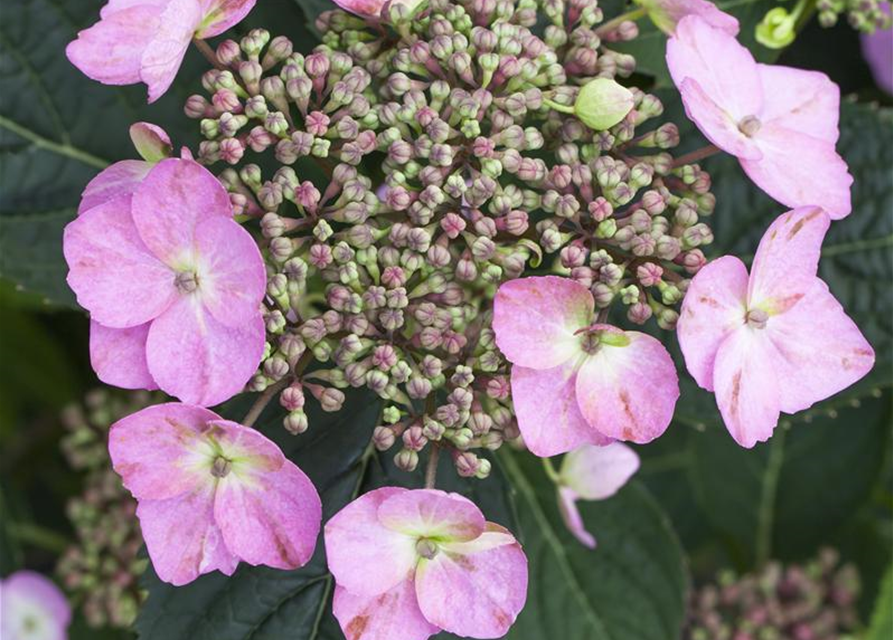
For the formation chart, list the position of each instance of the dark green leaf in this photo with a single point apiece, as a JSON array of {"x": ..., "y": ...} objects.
[{"x": 882, "y": 621}]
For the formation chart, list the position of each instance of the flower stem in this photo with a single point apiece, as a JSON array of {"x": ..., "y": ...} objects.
[
  {"x": 431, "y": 469},
  {"x": 550, "y": 470},
  {"x": 208, "y": 52},
  {"x": 270, "y": 392},
  {"x": 613, "y": 23},
  {"x": 563, "y": 108},
  {"x": 697, "y": 154}
]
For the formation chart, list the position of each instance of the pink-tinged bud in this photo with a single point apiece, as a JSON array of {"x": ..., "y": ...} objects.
[
  {"x": 418, "y": 388},
  {"x": 600, "y": 209},
  {"x": 383, "y": 438},
  {"x": 292, "y": 397},
  {"x": 467, "y": 464},
  {"x": 639, "y": 313},
  {"x": 384, "y": 357},
  {"x": 573, "y": 255},
  {"x": 649, "y": 274},
  {"x": 498, "y": 388},
  {"x": 453, "y": 343},
  {"x": 583, "y": 275},
  {"x": 407, "y": 460},
  {"x": 414, "y": 439},
  {"x": 296, "y": 422},
  {"x": 693, "y": 261},
  {"x": 320, "y": 256}
]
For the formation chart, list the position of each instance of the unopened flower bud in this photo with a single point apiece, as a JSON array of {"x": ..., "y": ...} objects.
[{"x": 602, "y": 103}]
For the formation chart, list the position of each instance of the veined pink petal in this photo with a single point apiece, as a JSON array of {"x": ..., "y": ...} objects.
[
  {"x": 151, "y": 142},
  {"x": 597, "y": 473},
  {"x": 715, "y": 123},
  {"x": 365, "y": 8},
  {"x": 474, "y": 588},
  {"x": 118, "y": 356},
  {"x": 666, "y": 14},
  {"x": 120, "y": 179},
  {"x": 629, "y": 393},
  {"x": 389, "y": 615},
  {"x": 220, "y": 15},
  {"x": 113, "y": 6},
  {"x": 715, "y": 304},
  {"x": 356, "y": 542},
  {"x": 804, "y": 101},
  {"x": 573, "y": 520},
  {"x": 429, "y": 513},
  {"x": 164, "y": 53},
  {"x": 535, "y": 320},
  {"x": 111, "y": 271},
  {"x": 31, "y": 606}
]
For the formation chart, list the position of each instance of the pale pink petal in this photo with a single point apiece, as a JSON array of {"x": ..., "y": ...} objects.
[
  {"x": 715, "y": 304},
  {"x": 724, "y": 69},
  {"x": 389, "y": 615},
  {"x": 573, "y": 520},
  {"x": 877, "y": 49},
  {"x": 820, "y": 350},
  {"x": 231, "y": 273},
  {"x": 629, "y": 393},
  {"x": 715, "y": 123},
  {"x": 113, "y": 6},
  {"x": 747, "y": 386},
  {"x": 199, "y": 360},
  {"x": 787, "y": 260},
  {"x": 799, "y": 170},
  {"x": 666, "y": 14},
  {"x": 356, "y": 542},
  {"x": 182, "y": 539},
  {"x": 171, "y": 201},
  {"x": 546, "y": 407},
  {"x": 220, "y": 15},
  {"x": 804, "y": 101},
  {"x": 31, "y": 606},
  {"x": 248, "y": 450},
  {"x": 151, "y": 142},
  {"x": 474, "y": 588},
  {"x": 597, "y": 473},
  {"x": 118, "y": 356},
  {"x": 366, "y": 8},
  {"x": 164, "y": 54},
  {"x": 160, "y": 452},
  {"x": 111, "y": 271},
  {"x": 120, "y": 179},
  {"x": 111, "y": 50},
  {"x": 429, "y": 513},
  {"x": 535, "y": 320}
]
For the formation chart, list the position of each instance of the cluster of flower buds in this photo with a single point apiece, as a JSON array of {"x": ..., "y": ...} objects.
[
  {"x": 101, "y": 568},
  {"x": 866, "y": 16},
  {"x": 815, "y": 601},
  {"x": 460, "y": 151}
]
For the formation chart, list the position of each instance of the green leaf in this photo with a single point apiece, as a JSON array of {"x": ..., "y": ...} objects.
[{"x": 882, "y": 621}]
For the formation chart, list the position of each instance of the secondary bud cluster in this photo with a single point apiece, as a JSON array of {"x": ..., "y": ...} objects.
[
  {"x": 867, "y": 16},
  {"x": 422, "y": 161}
]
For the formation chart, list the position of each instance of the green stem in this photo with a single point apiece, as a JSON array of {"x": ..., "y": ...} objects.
[
  {"x": 696, "y": 155},
  {"x": 38, "y": 536},
  {"x": 60, "y": 149},
  {"x": 431, "y": 470},
  {"x": 563, "y": 108},
  {"x": 613, "y": 23},
  {"x": 550, "y": 470},
  {"x": 769, "y": 494}
]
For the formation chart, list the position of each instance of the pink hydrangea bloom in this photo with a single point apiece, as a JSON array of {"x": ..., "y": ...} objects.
[
  {"x": 776, "y": 340},
  {"x": 408, "y": 564},
  {"x": 666, "y": 14},
  {"x": 370, "y": 8},
  {"x": 212, "y": 493},
  {"x": 575, "y": 382},
  {"x": 780, "y": 122},
  {"x": 592, "y": 473},
  {"x": 173, "y": 286},
  {"x": 32, "y": 608},
  {"x": 146, "y": 40}
]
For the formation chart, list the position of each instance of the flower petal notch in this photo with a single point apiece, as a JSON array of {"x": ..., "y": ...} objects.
[
  {"x": 775, "y": 340},
  {"x": 447, "y": 568},
  {"x": 575, "y": 381},
  {"x": 31, "y": 606},
  {"x": 781, "y": 123},
  {"x": 212, "y": 493}
]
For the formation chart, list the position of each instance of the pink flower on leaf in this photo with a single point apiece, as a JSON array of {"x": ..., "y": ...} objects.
[
  {"x": 32, "y": 608},
  {"x": 575, "y": 382},
  {"x": 780, "y": 122},
  {"x": 775, "y": 340},
  {"x": 408, "y": 564},
  {"x": 212, "y": 493}
]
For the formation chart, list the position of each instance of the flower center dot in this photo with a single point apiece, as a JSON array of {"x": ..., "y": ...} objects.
[
  {"x": 221, "y": 467},
  {"x": 186, "y": 281},
  {"x": 426, "y": 548},
  {"x": 749, "y": 125},
  {"x": 757, "y": 318}
]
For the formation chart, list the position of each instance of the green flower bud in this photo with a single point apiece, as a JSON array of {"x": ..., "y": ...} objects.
[
  {"x": 777, "y": 30},
  {"x": 602, "y": 103}
]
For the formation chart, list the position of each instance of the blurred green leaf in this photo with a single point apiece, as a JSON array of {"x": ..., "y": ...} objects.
[{"x": 882, "y": 621}]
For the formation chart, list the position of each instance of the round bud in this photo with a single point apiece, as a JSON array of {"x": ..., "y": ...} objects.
[{"x": 602, "y": 103}]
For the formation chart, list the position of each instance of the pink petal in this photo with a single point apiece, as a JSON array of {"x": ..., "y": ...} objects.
[
  {"x": 366, "y": 8},
  {"x": 25, "y": 595},
  {"x": 151, "y": 142},
  {"x": 715, "y": 123},
  {"x": 597, "y": 473},
  {"x": 249, "y": 451},
  {"x": 629, "y": 393},
  {"x": 428, "y": 513},
  {"x": 111, "y": 271},
  {"x": 182, "y": 539},
  {"x": 535, "y": 320},
  {"x": 111, "y": 50},
  {"x": 546, "y": 407},
  {"x": 165, "y": 51},
  {"x": 787, "y": 259},
  {"x": 220, "y": 15},
  {"x": 715, "y": 304},
  {"x": 160, "y": 452},
  {"x": 120, "y": 179},
  {"x": 474, "y": 588},
  {"x": 173, "y": 199},
  {"x": 200, "y": 361},
  {"x": 356, "y": 541},
  {"x": 804, "y": 101},
  {"x": 570, "y": 515},
  {"x": 667, "y": 13},
  {"x": 386, "y": 616},
  {"x": 232, "y": 276},
  {"x": 118, "y": 356},
  {"x": 799, "y": 170},
  {"x": 113, "y": 6},
  {"x": 877, "y": 49}
]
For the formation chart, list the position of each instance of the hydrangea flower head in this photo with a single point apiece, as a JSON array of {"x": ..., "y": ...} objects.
[
  {"x": 146, "y": 40},
  {"x": 212, "y": 493},
  {"x": 575, "y": 381},
  {"x": 32, "y": 608},
  {"x": 173, "y": 286},
  {"x": 666, "y": 14},
  {"x": 780, "y": 122},
  {"x": 775, "y": 340},
  {"x": 410, "y": 563}
]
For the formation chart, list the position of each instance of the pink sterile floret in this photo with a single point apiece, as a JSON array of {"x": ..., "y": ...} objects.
[
  {"x": 575, "y": 382},
  {"x": 31, "y": 606},
  {"x": 212, "y": 493},
  {"x": 780, "y": 122},
  {"x": 666, "y": 14},
  {"x": 173, "y": 286},
  {"x": 773, "y": 341},
  {"x": 410, "y": 563}
]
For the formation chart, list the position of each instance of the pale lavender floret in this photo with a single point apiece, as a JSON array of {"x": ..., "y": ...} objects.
[{"x": 32, "y": 607}]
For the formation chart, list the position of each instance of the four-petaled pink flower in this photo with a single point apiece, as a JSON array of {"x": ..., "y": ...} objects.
[
  {"x": 666, "y": 14},
  {"x": 32, "y": 608},
  {"x": 146, "y": 40},
  {"x": 173, "y": 286},
  {"x": 212, "y": 493},
  {"x": 408, "y": 564},
  {"x": 575, "y": 382},
  {"x": 592, "y": 473},
  {"x": 780, "y": 122},
  {"x": 776, "y": 340}
]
